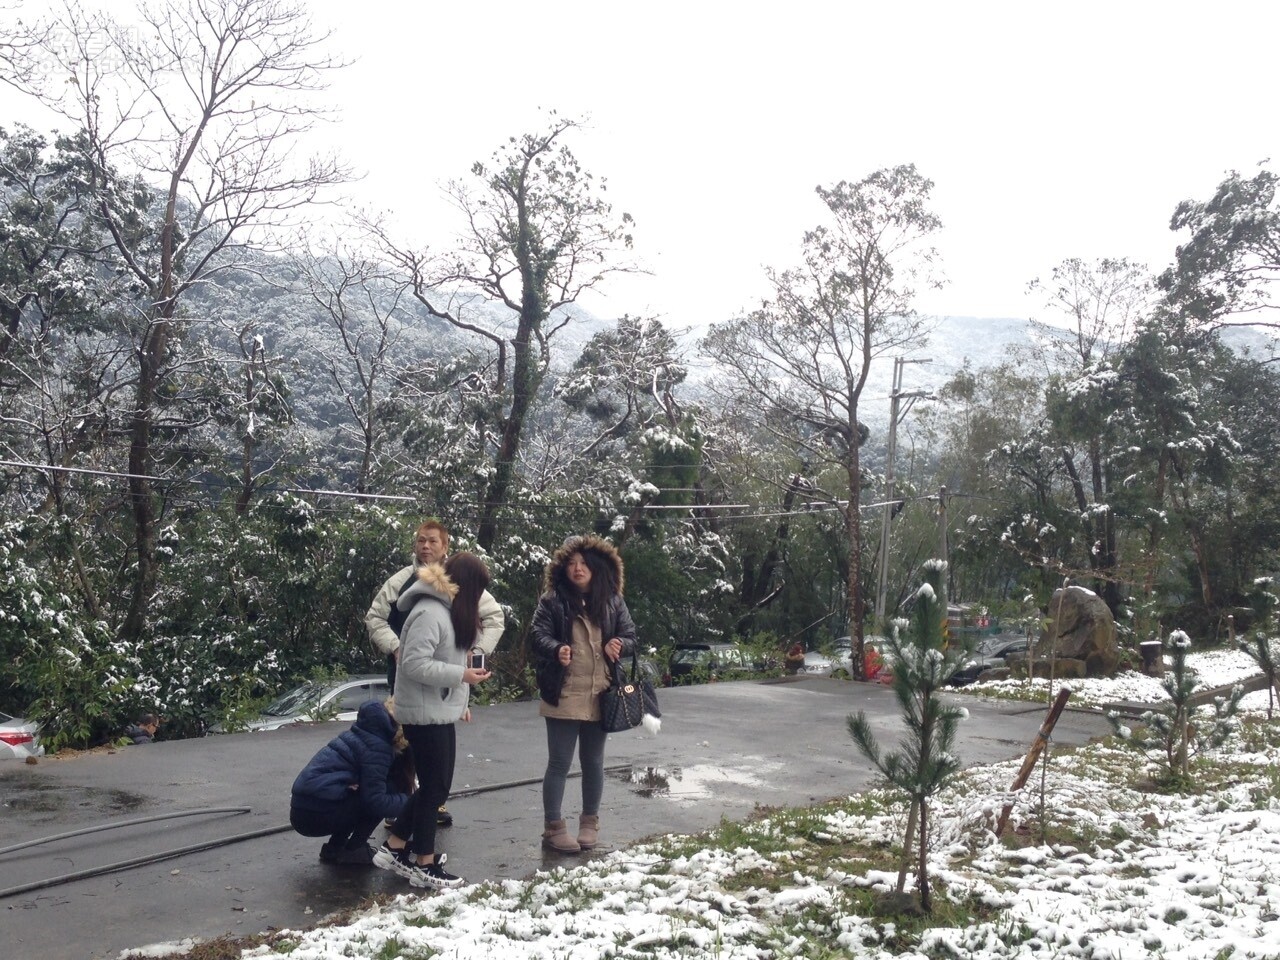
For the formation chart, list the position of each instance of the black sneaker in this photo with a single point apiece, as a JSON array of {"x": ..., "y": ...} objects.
[
  {"x": 360, "y": 856},
  {"x": 397, "y": 861},
  {"x": 327, "y": 853},
  {"x": 433, "y": 875},
  {"x": 443, "y": 817}
]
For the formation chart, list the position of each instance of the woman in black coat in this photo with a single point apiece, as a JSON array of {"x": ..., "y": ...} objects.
[
  {"x": 349, "y": 787},
  {"x": 580, "y": 629}
]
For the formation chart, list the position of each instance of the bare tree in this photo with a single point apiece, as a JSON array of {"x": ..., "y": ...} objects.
[
  {"x": 358, "y": 294},
  {"x": 804, "y": 355},
  {"x": 1098, "y": 304},
  {"x": 538, "y": 235},
  {"x": 188, "y": 128}
]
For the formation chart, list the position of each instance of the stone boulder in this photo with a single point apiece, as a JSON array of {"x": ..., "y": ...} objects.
[{"x": 1085, "y": 631}]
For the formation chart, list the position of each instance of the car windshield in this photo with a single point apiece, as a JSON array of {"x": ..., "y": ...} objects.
[
  {"x": 295, "y": 701},
  {"x": 5, "y": 718},
  {"x": 693, "y": 655}
]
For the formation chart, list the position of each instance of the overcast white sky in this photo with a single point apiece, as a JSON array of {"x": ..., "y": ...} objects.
[{"x": 1050, "y": 131}]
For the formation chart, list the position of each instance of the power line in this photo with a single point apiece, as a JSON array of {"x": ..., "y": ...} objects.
[
  {"x": 354, "y": 495},
  {"x": 546, "y": 509}
]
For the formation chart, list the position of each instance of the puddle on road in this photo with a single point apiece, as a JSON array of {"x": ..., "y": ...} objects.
[
  {"x": 124, "y": 800},
  {"x": 49, "y": 798},
  {"x": 700, "y": 781},
  {"x": 32, "y": 798}
]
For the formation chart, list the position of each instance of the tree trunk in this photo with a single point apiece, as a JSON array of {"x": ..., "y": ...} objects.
[
  {"x": 526, "y": 375},
  {"x": 144, "y": 517},
  {"x": 926, "y": 899}
]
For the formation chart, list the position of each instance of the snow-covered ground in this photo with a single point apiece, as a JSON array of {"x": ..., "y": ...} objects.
[
  {"x": 1216, "y": 668},
  {"x": 1097, "y": 865}
]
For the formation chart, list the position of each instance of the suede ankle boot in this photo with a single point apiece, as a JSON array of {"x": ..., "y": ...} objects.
[
  {"x": 588, "y": 830},
  {"x": 556, "y": 837}
]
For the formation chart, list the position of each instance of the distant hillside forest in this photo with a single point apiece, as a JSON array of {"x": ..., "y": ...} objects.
[{"x": 221, "y": 423}]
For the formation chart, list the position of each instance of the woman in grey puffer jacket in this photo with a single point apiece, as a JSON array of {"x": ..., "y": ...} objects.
[{"x": 433, "y": 685}]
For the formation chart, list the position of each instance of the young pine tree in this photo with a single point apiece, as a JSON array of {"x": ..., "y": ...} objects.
[
  {"x": 1174, "y": 731},
  {"x": 921, "y": 665},
  {"x": 1263, "y": 646}
]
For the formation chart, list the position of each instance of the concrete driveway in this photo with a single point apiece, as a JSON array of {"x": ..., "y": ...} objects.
[{"x": 725, "y": 749}]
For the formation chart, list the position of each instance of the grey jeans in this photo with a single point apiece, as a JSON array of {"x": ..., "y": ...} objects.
[{"x": 562, "y": 736}]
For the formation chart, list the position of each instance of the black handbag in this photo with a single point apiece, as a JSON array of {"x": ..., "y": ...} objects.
[{"x": 627, "y": 703}]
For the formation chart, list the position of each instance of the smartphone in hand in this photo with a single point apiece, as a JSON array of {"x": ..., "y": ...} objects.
[{"x": 476, "y": 660}]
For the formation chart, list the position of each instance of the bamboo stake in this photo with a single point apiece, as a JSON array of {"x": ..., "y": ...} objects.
[
  {"x": 907, "y": 845},
  {"x": 1029, "y": 763}
]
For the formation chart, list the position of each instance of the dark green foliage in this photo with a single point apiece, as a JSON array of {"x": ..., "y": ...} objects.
[
  {"x": 1224, "y": 265},
  {"x": 62, "y": 668},
  {"x": 1261, "y": 645},
  {"x": 253, "y": 603}
]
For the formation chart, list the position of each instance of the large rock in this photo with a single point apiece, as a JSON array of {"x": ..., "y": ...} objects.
[{"x": 1085, "y": 631}]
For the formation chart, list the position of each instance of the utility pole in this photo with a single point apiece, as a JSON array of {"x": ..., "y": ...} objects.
[
  {"x": 895, "y": 395},
  {"x": 943, "y": 547}
]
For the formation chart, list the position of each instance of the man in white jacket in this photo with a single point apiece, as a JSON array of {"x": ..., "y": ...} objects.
[{"x": 430, "y": 545}]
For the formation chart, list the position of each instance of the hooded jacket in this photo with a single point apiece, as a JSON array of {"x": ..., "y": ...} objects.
[
  {"x": 384, "y": 639},
  {"x": 558, "y": 607},
  {"x": 429, "y": 687},
  {"x": 138, "y": 734},
  {"x": 360, "y": 756}
]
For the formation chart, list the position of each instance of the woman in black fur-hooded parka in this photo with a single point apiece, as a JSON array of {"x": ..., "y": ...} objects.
[{"x": 581, "y": 625}]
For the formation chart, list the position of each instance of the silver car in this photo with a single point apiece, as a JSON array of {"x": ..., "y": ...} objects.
[
  {"x": 312, "y": 702},
  {"x": 19, "y": 739}
]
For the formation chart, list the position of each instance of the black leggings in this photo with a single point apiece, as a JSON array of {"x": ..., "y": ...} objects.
[{"x": 434, "y": 749}]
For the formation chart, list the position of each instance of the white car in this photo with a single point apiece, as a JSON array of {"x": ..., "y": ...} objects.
[
  {"x": 816, "y": 664},
  {"x": 19, "y": 739},
  {"x": 312, "y": 702}
]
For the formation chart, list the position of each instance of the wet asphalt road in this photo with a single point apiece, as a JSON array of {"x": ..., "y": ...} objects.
[{"x": 724, "y": 750}]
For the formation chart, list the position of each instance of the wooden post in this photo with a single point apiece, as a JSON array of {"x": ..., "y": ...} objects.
[
  {"x": 907, "y": 845},
  {"x": 1037, "y": 748}
]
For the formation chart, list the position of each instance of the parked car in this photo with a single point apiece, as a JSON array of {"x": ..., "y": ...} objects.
[
  {"x": 19, "y": 739},
  {"x": 991, "y": 652},
  {"x": 695, "y": 662},
  {"x": 817, "y": 664},
  {"x": 335, "y": 700}
]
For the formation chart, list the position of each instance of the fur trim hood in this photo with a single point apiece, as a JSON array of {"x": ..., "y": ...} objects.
[
  {"x": 432, "y": 582},
  {"x": 555, "y": 578}
]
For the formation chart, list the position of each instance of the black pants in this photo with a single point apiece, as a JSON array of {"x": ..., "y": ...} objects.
[
  {"x": 434, "y": 749},
  {"x": 346, "y": 823},
  {"x": 391, "y": 672}
]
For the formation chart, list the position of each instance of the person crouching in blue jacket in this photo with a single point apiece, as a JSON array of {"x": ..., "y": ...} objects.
[{"x": 349, "y": 787}]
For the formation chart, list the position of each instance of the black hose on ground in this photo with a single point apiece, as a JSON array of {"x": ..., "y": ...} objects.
[
  {"x": 140, "y": 861},
  {"x": 209, "y": 844},
  {"x": 98, "y": 828}
]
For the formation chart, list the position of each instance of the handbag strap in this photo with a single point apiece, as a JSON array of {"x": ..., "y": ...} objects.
[{"x": 617, "y": 677}]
